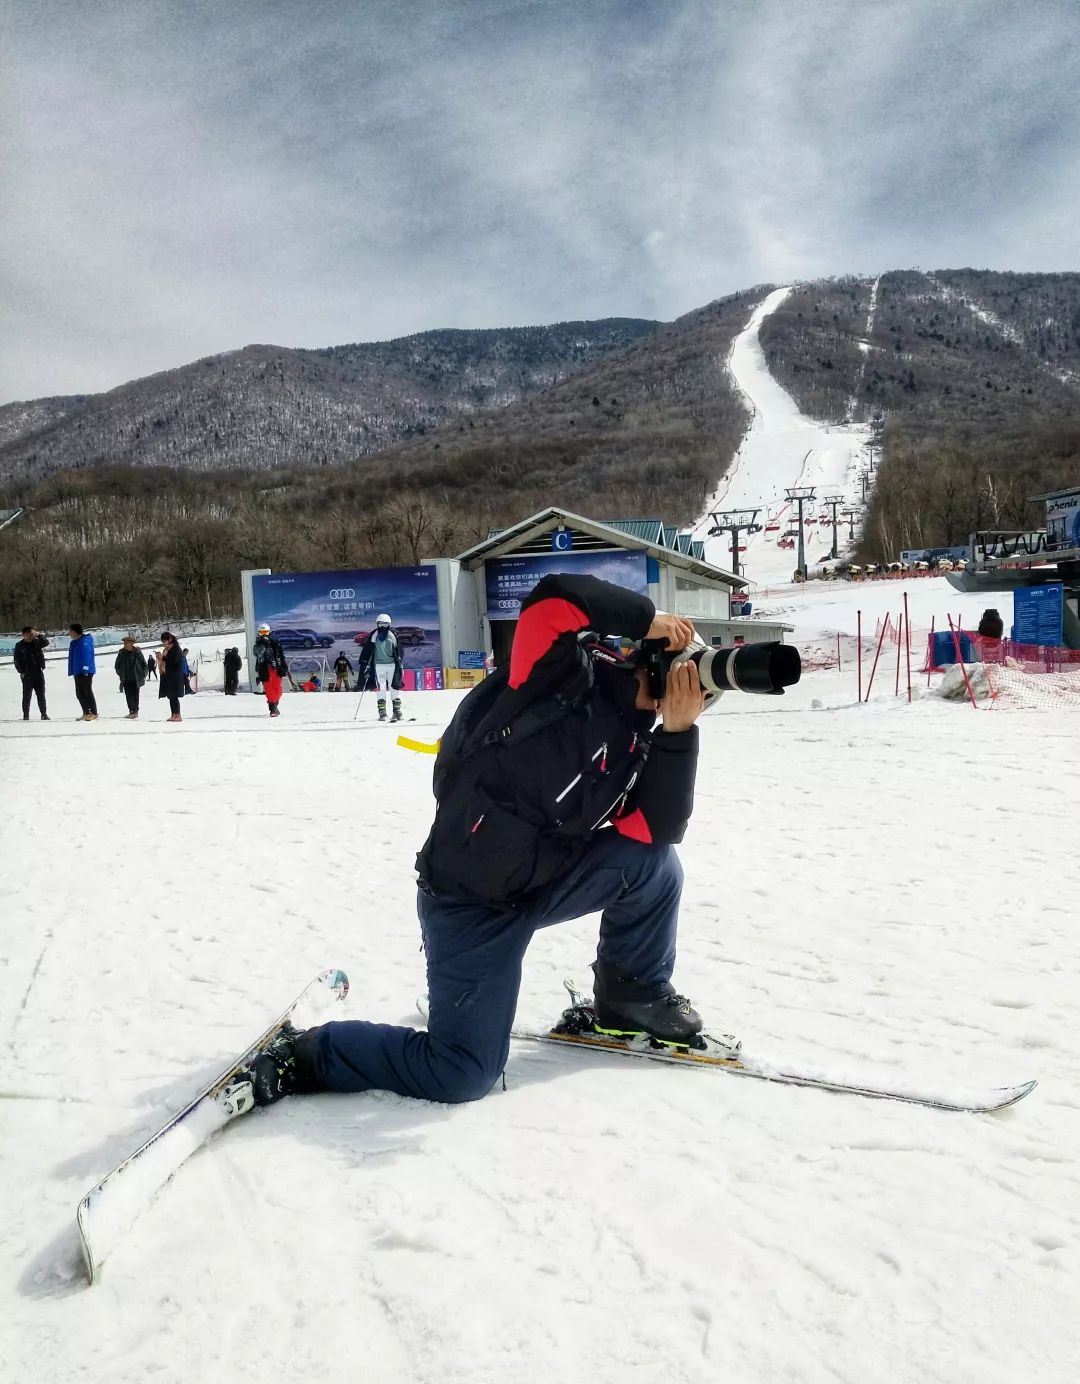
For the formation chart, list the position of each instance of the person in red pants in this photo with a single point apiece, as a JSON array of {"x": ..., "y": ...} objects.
[{"x": 270, "y": 667}]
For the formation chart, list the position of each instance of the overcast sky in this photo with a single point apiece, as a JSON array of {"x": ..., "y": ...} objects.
[{"x": 183, "y": 177}]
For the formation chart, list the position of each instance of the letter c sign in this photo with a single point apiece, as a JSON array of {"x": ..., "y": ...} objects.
[{"x": 562, "y": 541}]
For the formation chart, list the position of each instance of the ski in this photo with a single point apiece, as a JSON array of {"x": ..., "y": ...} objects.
[
  {"x": 111, "y": 1206},
  {"x": 724, "y": 1054}
]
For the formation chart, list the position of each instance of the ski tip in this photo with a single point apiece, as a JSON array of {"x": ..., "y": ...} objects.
[
  {"x": 84, "y": 1241},
  {"x": 1011, "y": 1094}
]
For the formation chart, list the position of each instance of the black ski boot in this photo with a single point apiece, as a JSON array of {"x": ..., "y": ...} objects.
[
  {"x": 273, "y": 1071},
  {"x": 626, "y": 1008}
]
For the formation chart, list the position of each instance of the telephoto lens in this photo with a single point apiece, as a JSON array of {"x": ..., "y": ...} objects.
[{"x": 766, "y": 668}]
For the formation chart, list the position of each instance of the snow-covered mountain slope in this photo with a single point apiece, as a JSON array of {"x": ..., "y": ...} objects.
[
  {"x": 782, "y": 448},
  {"x": 880, "y": 888}
]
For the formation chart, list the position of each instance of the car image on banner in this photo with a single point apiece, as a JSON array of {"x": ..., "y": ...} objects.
[{"x": 319, "y": 615}]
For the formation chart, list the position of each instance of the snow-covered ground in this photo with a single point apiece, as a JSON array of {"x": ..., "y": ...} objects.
[
  {"x": 888, "y": 889},
  {"x": 782, "y": 448}
]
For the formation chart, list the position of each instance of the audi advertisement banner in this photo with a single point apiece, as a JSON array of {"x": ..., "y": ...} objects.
[
  {"x": 509, "y": 580},
  {"x": 317, "y": 615}
]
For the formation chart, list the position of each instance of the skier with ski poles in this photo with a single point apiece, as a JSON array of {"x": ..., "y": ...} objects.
[
  {"x": 270, "y": 667},
  {"x": 558, "y": 796},
  {"x": 379, "y": 665}
]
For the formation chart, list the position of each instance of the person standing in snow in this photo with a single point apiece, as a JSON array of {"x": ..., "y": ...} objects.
[
  {"x": 558, "y": 796},
  {"x": 29, "y": 659},
  {"x": 152, "y": 665},
  {"x": 187, "y": 674},
  {"x": 233, "y": 664},
  {"x": 270, "y": 667},
  {"x": 342, "y": 670},
  {"x": 82, "y": 666},
  {"x": 130, "y": 668},
  {"x": 171, "y": 683},
  {"x": 379, "y": 666}
]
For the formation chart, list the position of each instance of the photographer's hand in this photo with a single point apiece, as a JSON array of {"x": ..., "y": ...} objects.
[
  {"x": 677, "y": 631},
  {"x": 684, "y": 700}
]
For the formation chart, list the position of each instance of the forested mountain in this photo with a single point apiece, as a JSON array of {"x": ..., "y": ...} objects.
[
  {"x": 613, "y": 416},
  {"x": 149, "y": 499},
  {"x": 268, "y": 406},
  {"x": 974, "y": 377}
]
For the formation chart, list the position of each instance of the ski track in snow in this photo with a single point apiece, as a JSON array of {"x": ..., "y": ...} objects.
[
  {"x": 782, "y": 448},
  {"x": 880, "y": 889}
]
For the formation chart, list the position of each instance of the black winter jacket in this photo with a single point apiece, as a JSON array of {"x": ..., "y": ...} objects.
[
  {"x": 269, "y": 655},
  {"x": 30, "y": 657},
  {"x": 171, "y": 682},
  {"x": 527, "y": 813},
  {"x": 233, "y": 663}
]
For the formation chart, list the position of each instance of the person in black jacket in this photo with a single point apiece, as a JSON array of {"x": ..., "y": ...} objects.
[
  {"x": 130, "y": 668},
  {"x": 580, "y": 814},
  {"x": 270, "y": 667},
  {"x": 233, "y": 664},
  {"x": 171, "y": 683},
  {"x": 29, "y": 659},
  {"x": 342, "y": 670}
]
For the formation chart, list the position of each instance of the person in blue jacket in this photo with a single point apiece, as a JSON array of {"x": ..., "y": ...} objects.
[{"x": 82, "y": 667}]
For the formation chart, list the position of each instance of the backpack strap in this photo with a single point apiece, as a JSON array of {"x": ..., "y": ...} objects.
[{"x": 528, "y": 723}]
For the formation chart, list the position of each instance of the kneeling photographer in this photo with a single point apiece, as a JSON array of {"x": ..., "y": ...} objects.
[{"x": 558, "y": 795}]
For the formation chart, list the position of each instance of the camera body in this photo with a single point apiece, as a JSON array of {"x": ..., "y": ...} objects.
[{"x": 765, "y": 668}]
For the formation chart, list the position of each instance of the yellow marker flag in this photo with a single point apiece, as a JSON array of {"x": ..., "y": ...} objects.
[{"x": 418, "y": 745}]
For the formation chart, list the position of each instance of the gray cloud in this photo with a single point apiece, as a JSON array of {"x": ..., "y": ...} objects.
[{"x": 181, "y": 179}]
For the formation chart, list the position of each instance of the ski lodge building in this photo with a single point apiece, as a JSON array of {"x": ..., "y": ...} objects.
[
  {"x": 457, "y": 614},
  {"x": 645, "y": 555}
]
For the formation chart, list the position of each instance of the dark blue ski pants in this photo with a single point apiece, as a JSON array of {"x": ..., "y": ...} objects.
[{"x": 474, "y": 957}]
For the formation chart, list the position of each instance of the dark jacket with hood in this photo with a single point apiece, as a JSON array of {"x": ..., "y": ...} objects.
[
  {"x": 365, "y": 664},
  {"x": 269, "y": 655},
  {"x": 171, "y": 682},
  {"x": 233, "y": 662},
  {"x": 29, "y": 656},
  {"x": 515, "y": 816}
]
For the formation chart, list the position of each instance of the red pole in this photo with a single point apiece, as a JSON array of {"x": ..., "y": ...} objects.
[
  {"x": 858, "y": 638},
  {"x": 930, "y": 651},
  {"x": 907, "y": 627},
  {"x": 960, "y": 660},
  {"x": 881, "y": 640},
  {"x": 899, "y": 644}
]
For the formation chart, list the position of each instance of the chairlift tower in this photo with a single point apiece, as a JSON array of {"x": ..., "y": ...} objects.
[
  {"x": 801, "y": 495},
  {"x": 866, "y": 477},
  {"x": 734, "y": 522},
  {"x": 834, "y": 501},
  {"x": 850, "y": 515}
]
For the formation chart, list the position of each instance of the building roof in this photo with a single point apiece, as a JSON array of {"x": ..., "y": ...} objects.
[
  {"x": 1057, "y": 494},
  {"x": 651, "y": 530},
  {"x": 530, "y": 535}
]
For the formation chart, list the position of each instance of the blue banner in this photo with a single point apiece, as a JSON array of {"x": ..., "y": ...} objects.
[
  {"x": 510, "y": 579},
  {"x": 317, "y": 615},
  {"x": 1037, "y": 615}
]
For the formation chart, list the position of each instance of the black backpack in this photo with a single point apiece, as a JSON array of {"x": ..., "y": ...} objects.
[{"x": 480, "y": 849}]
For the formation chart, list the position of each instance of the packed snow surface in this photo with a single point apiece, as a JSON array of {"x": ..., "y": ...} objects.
[{"x": 885, "y": 889}]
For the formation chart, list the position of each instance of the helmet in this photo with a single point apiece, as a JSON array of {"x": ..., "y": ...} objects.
[
  {"x": 383, "y": 620},
  {"x": 264, "y": 629}
]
